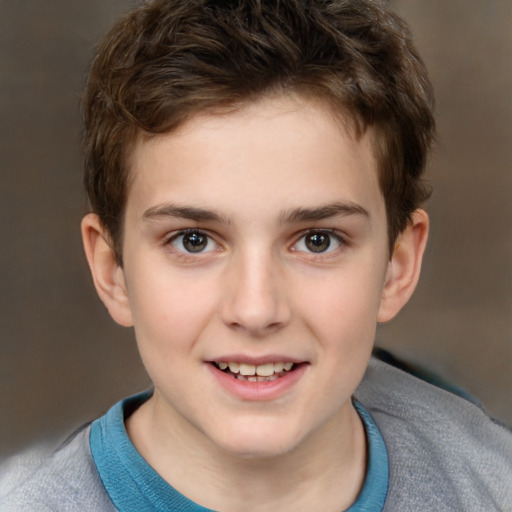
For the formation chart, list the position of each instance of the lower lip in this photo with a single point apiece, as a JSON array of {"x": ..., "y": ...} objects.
[{"x": 258, "y": 391}]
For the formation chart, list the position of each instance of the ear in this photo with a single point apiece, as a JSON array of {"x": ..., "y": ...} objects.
[
  {"x": 107, "y": 274},
  {"x": 404, "y": 266}
]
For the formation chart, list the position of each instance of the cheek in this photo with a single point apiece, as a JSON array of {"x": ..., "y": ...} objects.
[
  {"x": 168, "y": 325},
  {"x": 346, "y": 299},
  {"x": 343, "y": 310},
  {"x": 170, "y": 312}
]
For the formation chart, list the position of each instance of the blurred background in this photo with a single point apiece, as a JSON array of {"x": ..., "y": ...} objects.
[{"x": 62, "y": 359}]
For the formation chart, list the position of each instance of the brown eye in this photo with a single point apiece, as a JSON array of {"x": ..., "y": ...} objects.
[
  {"x": 193, "y": 242},
  {"x": 317, "y": 242}
]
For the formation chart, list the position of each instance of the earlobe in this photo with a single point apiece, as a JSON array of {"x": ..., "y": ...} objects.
[
  {"x": 107, "y": 274},
  {"x": 404, "y": 267}
]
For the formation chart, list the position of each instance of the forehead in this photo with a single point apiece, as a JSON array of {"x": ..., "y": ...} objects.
[{"x": 283, "y": 151}]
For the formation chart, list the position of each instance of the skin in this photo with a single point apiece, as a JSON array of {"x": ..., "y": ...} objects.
[{"x": 258, "y": 184}]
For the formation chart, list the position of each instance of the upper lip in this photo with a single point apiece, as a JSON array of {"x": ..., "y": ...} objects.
[{"x": 258, "y": 360}]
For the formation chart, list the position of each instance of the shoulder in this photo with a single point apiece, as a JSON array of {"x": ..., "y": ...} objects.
[
  {"x": 65, "y": 479},
  {"x": 444, "y": 452}
]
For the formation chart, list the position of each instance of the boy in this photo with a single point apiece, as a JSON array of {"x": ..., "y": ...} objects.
[{"x": 254, "y": 171}]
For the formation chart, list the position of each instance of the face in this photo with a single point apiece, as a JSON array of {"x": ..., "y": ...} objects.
[{"x": 255, "y": 258}]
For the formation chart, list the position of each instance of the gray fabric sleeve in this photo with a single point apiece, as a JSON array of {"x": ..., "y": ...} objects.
[
  {"x": 65, "y": 481},
  {"x": 445, "y": 453}
]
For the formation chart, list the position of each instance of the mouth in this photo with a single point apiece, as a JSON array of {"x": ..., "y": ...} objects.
[{"x": 256, "y": 373}]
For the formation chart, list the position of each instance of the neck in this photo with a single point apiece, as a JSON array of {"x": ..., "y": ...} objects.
[{"x": 325, "y": 472}]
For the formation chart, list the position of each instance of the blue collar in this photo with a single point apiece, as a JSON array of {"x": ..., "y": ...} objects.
[
  {"x": 132, "y": 484},
  {"x": 375, "y": 488}
]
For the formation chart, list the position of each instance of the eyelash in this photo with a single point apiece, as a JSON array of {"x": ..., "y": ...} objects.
[
  {"x": 182, "y": 234},
  {"x": 332, "y": 234},
  {"x": 209, "y": 241}
]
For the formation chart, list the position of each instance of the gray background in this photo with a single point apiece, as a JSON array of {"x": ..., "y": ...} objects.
[{"x": 63, "y": 361}]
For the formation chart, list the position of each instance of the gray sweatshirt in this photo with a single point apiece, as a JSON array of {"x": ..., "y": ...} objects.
[{"x": 444, "y": 454}]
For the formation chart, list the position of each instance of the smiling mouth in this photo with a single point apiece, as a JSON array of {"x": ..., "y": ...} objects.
[{"x": 255, "y": 373}]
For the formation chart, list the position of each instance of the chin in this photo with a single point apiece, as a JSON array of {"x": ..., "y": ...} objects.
[{"x": 257, "y": 441}]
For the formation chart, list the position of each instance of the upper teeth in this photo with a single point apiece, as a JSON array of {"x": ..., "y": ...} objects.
[{"x": 263, "y": 370}]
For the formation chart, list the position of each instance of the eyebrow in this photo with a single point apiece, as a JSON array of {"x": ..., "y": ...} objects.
[
  {"x": 324, "y": 212},
  {"x": 295, "y": 215},
  {"x": 183, "y": 212}
]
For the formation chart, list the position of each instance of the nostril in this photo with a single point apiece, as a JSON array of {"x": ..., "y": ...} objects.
[{"x": 255, "y": 329}]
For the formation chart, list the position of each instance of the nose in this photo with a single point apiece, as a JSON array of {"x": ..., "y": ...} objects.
[{"x": 255, "y": 301}]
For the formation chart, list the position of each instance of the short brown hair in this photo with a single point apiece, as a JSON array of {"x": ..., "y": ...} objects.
[{"x": 171, "y": 59}]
